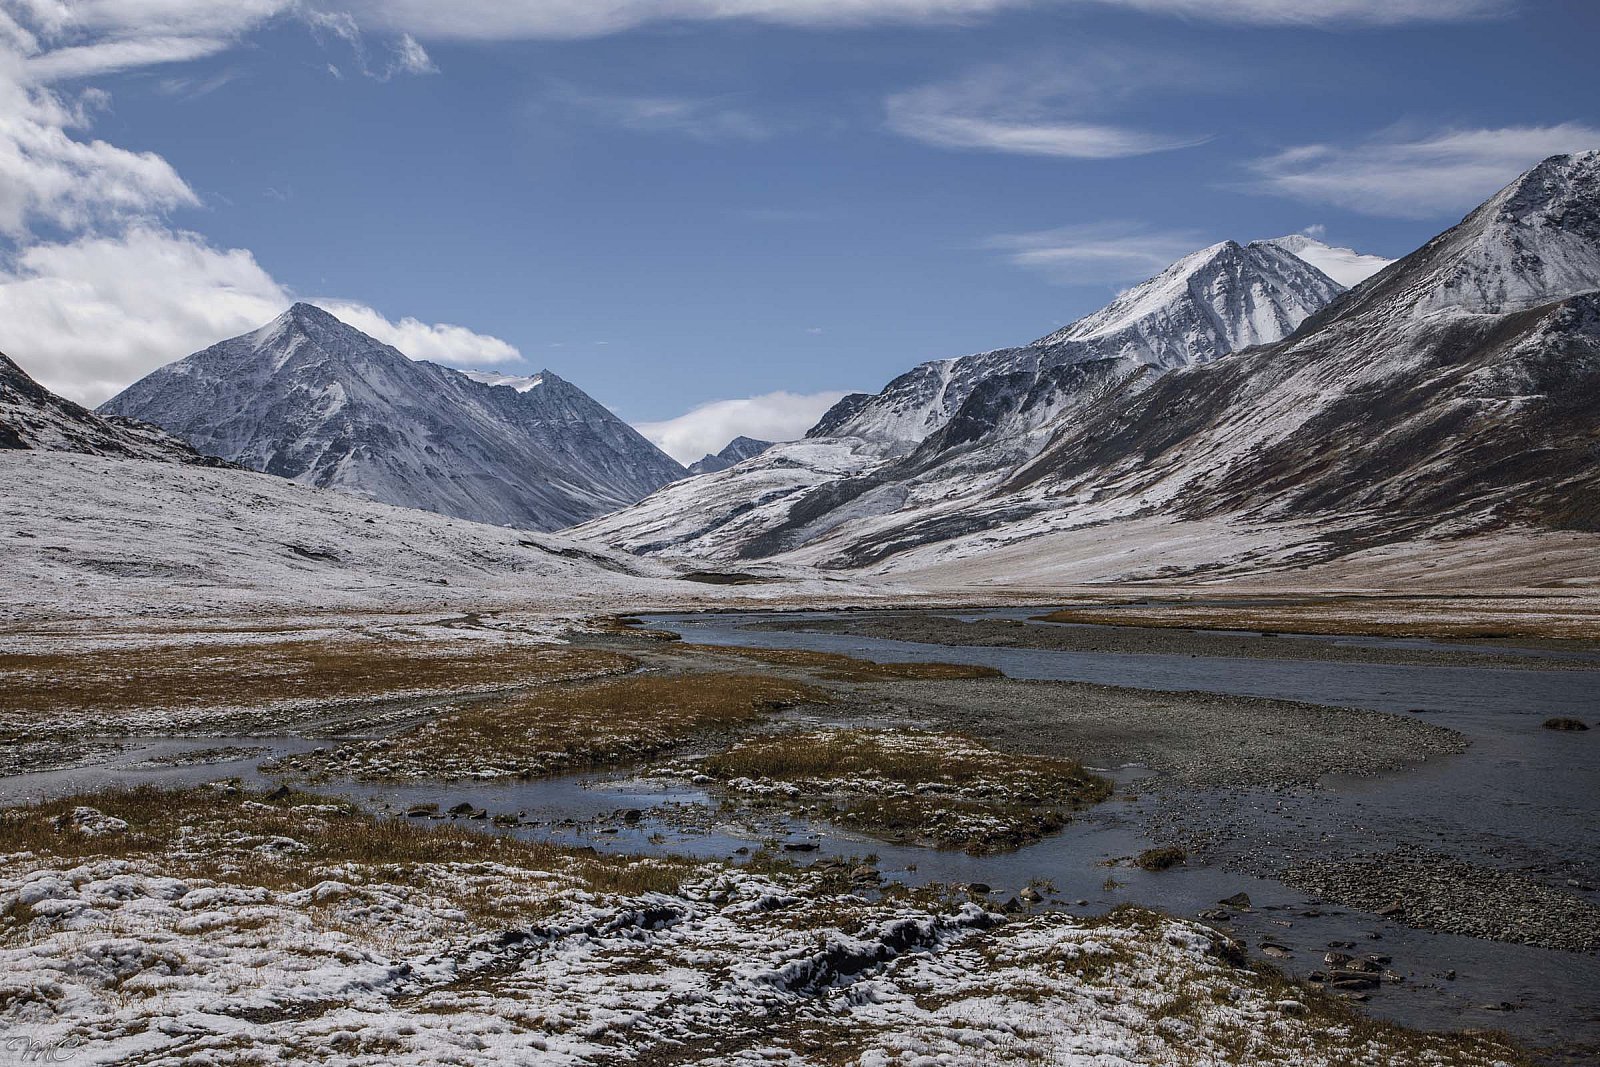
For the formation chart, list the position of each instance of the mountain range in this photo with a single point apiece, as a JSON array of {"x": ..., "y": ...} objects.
[
  {"x": 310, "y": 398},
  {"x": 1454, "y": 391},
  {"x": 734, "y": 452},
  {"x": 953, "y": 428}
]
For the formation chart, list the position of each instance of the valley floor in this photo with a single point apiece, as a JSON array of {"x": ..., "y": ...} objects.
[{"x": 779, "y": 861}]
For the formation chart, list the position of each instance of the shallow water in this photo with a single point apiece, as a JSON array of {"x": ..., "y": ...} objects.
[{"x": 1520, "y": 797}]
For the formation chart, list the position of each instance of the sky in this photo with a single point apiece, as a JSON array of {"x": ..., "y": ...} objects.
[{"x": 718, "y": 216}]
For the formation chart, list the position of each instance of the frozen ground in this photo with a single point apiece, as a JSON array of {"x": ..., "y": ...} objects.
[{"x": 234, "y": 929}]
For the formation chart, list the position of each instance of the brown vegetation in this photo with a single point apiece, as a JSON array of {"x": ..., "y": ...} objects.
[
  {"x": 214, "y": 832},
  {"x": 565, "y": 728},
  {"x": 938, "y": 789},
  {"x": 1558, "y": 618},
  {"x": 253, "y": 674}
]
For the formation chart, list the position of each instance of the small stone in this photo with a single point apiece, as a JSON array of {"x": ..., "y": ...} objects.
[
  {"x": 1565, "y": 724},
  {"x": 1239, "y": 901},
  {"x": 799, "y": 846},
  {"x": 980, "y": 888},
  {"x": 462, "y": 808},
  {"x": 1030, "y": 895},
  {"x": 632, "y": 815}
]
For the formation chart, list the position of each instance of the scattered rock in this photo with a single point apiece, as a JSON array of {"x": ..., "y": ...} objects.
[{"x": 1239, "y": 901}]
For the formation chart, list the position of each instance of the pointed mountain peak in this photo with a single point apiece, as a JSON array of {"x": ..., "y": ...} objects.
[
  {"x": 1534, "y": 242},
  {"x": 1251, "y": 292}
]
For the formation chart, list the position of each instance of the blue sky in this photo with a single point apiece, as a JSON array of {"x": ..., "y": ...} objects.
[{"x": 722, "y": 205}]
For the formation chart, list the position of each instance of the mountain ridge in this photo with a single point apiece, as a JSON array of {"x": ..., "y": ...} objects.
[{"x": 310, "y": 398}]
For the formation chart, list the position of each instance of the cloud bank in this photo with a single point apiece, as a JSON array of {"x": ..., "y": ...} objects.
[{"x": 779, "y": 416}]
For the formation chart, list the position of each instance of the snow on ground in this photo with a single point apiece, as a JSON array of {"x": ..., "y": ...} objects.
[
  {"x": 92, "y": 537},
  {"x": 241, "y": 946}
]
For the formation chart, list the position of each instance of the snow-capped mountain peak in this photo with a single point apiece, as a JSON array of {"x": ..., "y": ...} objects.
[
  {"x": 1251, "y": 294},
  {"x": 1209, "y": 303},
  {"x": 314, "y": 399}
]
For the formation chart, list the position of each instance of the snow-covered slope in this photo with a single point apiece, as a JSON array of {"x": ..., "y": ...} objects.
[
  {"x": 1211, "y": 302},
  {"x": 736, "y": 451},
  {"x": 32, "y": 417},
  {"x": 955, "y": 429},
  {"x": 1458, "y": 390},
  {"x": 90, "y": 536},
  {"x": 708, "y": 517},
  {"x": 312, "y": 399}
]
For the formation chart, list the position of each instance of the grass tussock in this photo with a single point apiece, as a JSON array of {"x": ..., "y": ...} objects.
[
  {"x": 557, "y": 729},
  {"x": 248, "y": 675},
  {"x": 836, "y": 667},
  {"x": 228, "y": 835},
  {"x": 1161, "y": 859},
  {"x": 938, "y": 789}
]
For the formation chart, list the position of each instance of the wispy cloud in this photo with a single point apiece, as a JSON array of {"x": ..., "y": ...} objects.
[
  {"x": 1402, "y": 174},
  {"x": 502, "y": 20},
  {"x": 780, "y": 416},
  {"x": 1028, "y": 110},
  {"x": 1097, "y": 253},
  {"x": 709, "y": 118}
]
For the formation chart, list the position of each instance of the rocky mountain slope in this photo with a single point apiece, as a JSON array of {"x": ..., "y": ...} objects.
[
  {"x": 1457, "y": 391},
  {"x": 32, "y": 417},
  {"x": 309, "y": 398},
  {"x": 736, "y": 451},
  {"x": 954, "y": 429}
]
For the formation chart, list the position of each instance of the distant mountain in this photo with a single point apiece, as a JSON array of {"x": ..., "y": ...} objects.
[
  {"x": 1455, "y": 392},
  {"x": 736, "y": 451},
  {"x": 1208, "y": 304},
  {"x": 954, "y": 428},
  {"x": 35, "y": 419},
  {"x": 310, "y": 398}
]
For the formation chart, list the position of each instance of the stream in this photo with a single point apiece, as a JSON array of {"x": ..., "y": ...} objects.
[{"x": 1521, "y": 798}]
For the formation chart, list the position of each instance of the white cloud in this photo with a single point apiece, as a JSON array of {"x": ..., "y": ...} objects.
[
  {"x": 514, "y": 19},
  {"x": 1417, "y": 176},
  {"x": 1344, "y": 265},
  {"x": 439, "y": 342},
  {"x": 90, "y": 316},
  {"x": 705, "y": 119},
  {"x": 708, "y": 428},
  {"x": 1097, "y": 253},
  {"x": 1027, "y": 111},
  {"x": 411, "y": 58},
  {"x": 47, "y": 175}
]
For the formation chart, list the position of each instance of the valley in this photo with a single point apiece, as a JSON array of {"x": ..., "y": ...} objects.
[
  {"x": 1208, "y": 681},
  {"x": 1313, "y": 783}
]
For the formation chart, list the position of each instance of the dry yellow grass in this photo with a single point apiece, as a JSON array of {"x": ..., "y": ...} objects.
[
  {"x": 244, "y": 675},
  {"x": 567, "y": 727},
  {"x": 938, "y": 789},
  {"x": 1457, "y": 618},
  {"x": 210, "y": 833}
]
